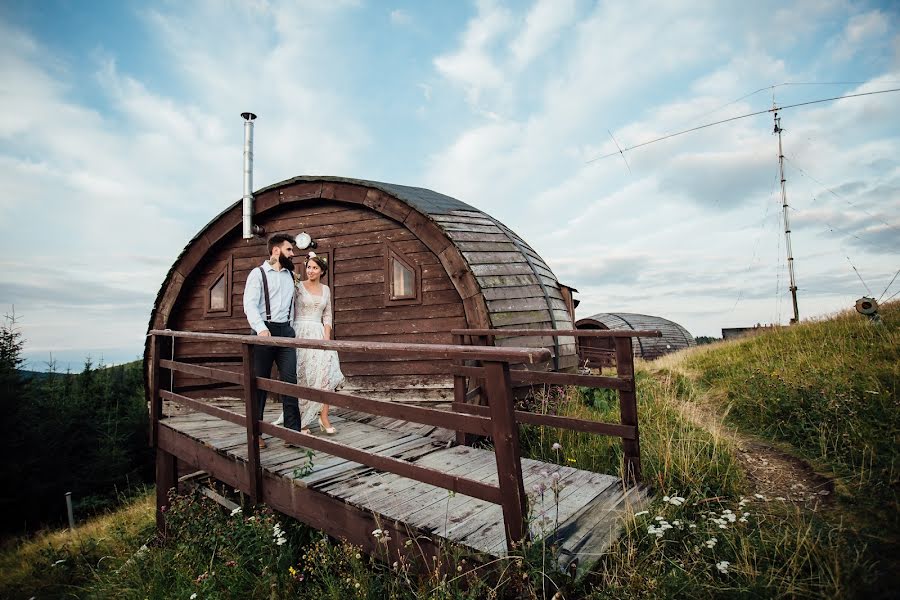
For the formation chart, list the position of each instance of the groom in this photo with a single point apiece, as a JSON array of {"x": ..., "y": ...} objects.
[{"x": 270, "y": 291}]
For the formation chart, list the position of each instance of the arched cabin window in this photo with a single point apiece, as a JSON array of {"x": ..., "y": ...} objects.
[
  {"x": 403, "y": 278},
  {"x": 218, "y": 294}
]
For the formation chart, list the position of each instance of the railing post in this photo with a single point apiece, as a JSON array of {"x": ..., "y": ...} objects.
[
  {"x": 506, "y": 450},
  {"x": 166, "y": 479},
  {"x": 459, "y": 391},
  {"x": 628, "y": 409},
  {"x": 254, "y": 471},
  {"x": 155, "y": 399}
]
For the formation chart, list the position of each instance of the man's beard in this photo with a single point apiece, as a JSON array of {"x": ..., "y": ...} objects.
[{"x": 286, "y": 262}]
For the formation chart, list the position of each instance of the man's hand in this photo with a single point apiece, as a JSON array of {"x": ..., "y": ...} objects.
[{"x": 264, "y": 333}]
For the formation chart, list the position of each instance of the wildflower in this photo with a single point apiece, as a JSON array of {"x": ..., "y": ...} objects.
[
  {"x": 357, "y": 555},
  {"x": 571, "y": 460},
  {"x": 643, "y": 512},
  {"x": 459, "y": 568},
  {"x": 378, "y": 533},
  {"x": 292, "y": 571},
  {"x": 674, "y": 500},
  {"x": 408, "y": 543},
  {"x": 658, "y": 518},
  {"x": 759, "y": 496},
  {"x": 711, "y": 542},
  {"x": 723, "y": 566},
  {"x": 556, "y": 446},
  {"x": 236, "y": 511},
  {"x": 194, "y": 595}
]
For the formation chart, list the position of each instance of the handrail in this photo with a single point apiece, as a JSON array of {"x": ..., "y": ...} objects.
[
  {"x": 608, "y": 333},
  {"x": 496, "y": 420},
  {"x": 623, "y": 383},
  {"x": 444, "y": 351}
]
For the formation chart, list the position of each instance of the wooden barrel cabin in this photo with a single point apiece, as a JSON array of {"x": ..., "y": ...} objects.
[
  {"x": 598, "y": 351},
  {"x": 407, "y": 264}
]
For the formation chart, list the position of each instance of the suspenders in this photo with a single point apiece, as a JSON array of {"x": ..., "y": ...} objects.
[{"x": 265, "y": 284}]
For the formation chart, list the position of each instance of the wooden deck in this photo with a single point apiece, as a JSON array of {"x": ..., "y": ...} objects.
[{"x": 590, "y": 505}]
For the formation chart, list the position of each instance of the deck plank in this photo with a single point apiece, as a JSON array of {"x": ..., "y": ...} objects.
[{"x": 591, "y": 505}]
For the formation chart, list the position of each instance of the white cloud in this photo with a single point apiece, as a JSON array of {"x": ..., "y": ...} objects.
[
  {"x": 472, "y": 67},
  {"x": 543, "y": 26}
]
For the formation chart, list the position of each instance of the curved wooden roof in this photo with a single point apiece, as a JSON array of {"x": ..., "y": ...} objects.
[
  {"x": 674, "y": 336},
  {"x": 503, "y": 282}
]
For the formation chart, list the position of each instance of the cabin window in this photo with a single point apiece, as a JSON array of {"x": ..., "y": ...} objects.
[
  {"x": 218, "y": 294},
  {"x": 403, "y": 281},
  {"x": 403, "y": 278}
]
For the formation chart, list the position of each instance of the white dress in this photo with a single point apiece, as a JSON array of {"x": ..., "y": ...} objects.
[{"x": 318, "y": 369}]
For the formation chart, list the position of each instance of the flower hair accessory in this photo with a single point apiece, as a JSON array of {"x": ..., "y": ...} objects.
[{"x": 311, "y": 255}]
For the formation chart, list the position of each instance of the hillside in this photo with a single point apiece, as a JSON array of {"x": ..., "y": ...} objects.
[{"x": 773, "y": 461}]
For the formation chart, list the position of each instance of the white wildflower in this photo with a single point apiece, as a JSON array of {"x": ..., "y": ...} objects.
[
  {"x": 723, "y": 566},
  {"x": 658, "y": 518},
  {"x": 378, "y": 533},
  {"x": 711, "y": 542},
  {"x": 236, "y": 511},
  {"x": 194, "y": 595},
  {"x": 674, "y": 500},
  {"x": 643, "y": 512},
  {"x": 556, "y": 446},
  {"x": 759, "y": 496}
]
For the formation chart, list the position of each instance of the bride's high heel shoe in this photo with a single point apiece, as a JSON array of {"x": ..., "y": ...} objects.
[{"x": 328, "y": 430}]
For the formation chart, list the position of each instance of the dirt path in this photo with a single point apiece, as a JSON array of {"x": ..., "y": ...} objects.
[{"x": 771, "y": 471}]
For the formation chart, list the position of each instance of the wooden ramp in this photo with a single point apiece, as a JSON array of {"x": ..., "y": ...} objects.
[{"x": 336, "y": 492}]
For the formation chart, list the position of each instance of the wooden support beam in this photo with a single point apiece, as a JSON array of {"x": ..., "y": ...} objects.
[
  {"x": 572, "y": 423},
  {"x": 551, "y": 378},
  {"x": 459, "y": 391},
  {"x": 628, "y": 411},
  {"x": 166, "y": 479},
  {"x": 506, "y": 450},
  {"x": 252, "y": 420},
  {"x": 153, "y": 385},
  {"x": 200, "y": 370}
]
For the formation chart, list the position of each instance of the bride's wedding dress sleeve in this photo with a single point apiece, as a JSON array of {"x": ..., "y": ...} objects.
[{"x": 326, "y": 314}]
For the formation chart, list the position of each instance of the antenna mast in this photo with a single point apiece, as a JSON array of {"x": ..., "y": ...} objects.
[{"x": 787, "y": 223}]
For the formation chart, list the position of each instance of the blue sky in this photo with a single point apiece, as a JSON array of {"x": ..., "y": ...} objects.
[{"x": 120, "y": 138}]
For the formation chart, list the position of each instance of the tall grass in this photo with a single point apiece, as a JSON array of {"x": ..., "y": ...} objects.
[{"x": 830, "y": 389}]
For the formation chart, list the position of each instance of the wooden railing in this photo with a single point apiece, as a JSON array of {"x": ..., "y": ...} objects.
[
  {"x": 623, "y": 383},
  {"x": 497, "y": 419}
]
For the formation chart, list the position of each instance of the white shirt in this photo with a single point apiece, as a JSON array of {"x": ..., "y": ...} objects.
[{"x": 281, "y": 296}]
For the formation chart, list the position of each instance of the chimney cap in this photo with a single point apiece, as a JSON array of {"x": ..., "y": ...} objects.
[{"x": 248, "y": 116}]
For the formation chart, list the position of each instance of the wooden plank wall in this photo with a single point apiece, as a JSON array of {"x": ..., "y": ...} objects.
[
  {"x": 355, "y": 237},
  {"x": 513, "y": 289}
]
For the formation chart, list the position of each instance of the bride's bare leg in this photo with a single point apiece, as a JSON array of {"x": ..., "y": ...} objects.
[{"x": 324, "y": 416}]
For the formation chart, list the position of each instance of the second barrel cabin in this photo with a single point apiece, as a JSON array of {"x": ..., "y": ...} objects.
[{"x": 406, "y": 264}]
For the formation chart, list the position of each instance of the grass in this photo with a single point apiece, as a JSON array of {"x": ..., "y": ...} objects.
[{"x": 827, "y": 391}]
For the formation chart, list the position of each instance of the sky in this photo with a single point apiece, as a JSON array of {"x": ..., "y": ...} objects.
[{"x": 120, "y": 138}]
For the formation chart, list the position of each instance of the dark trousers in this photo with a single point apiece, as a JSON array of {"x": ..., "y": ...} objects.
[{"x": 286, "y": 360}]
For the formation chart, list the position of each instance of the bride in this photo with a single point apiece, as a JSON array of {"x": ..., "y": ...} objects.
[{"x": 318, "y": 369}]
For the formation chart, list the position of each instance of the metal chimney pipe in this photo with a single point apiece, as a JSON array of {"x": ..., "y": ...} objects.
[{"x": 248, "y": 174}]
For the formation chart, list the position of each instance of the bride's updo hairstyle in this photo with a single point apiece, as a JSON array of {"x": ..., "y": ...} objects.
[{"x": 319, "y": 261}]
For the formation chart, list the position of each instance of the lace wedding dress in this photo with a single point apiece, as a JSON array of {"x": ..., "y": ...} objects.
[{"x": 318, "y": 369}]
